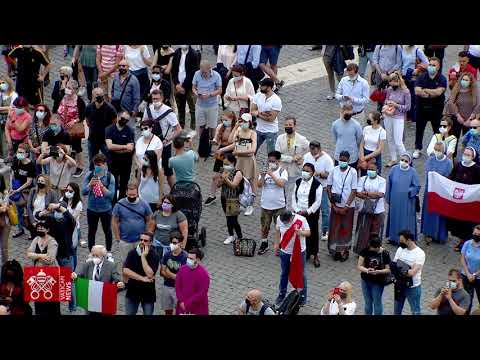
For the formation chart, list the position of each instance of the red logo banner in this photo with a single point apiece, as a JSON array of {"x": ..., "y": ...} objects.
[{"x": 47, "y": 284}]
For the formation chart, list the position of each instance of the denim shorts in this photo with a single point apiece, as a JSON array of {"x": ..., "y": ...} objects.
[{"x": 269, "y": 55}]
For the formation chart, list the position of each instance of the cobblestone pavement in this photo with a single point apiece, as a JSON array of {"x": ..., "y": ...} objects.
[{"x": 232, "y": 276}]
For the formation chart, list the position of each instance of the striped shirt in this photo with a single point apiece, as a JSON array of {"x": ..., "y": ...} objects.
[{"x": 109, "y": 55}]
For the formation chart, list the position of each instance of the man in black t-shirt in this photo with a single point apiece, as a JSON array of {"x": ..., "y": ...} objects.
[
  {"x": 139, "y": 268},
  {"x": 373, "y": 264},
  {"x": 55, "y": 135},
  {"x": 99, "y": 115},
  {"x": 120, "y": 140}
]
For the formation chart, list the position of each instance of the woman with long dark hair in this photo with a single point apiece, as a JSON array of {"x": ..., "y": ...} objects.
[
  {"x": 151, "y": 180},
  {"x": 75, "y": 206},
  {"x": 40, "y": 123},
  {"x": 11, "y": 289}
]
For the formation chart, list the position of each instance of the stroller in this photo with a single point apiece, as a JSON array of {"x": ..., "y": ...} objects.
[{"x": 189, "y": 201}]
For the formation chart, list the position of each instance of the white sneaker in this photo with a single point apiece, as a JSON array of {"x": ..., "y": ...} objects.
[
  {"x": 329, "y": 97},
  {"x": 416, "y": 154},
  {"x": 248, "y": 210},
  {"x": 110, "y": 257},
  {"x": 229, "y": 240},
  {"x": 325, "y": 237}
]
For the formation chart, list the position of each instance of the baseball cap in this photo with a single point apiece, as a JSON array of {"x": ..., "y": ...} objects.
[{"x": 246, "y": 117}]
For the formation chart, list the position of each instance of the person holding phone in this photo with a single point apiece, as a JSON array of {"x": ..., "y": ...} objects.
[
  {"x": 340, "y": 301},
  {"x": 452, "y": 299}
]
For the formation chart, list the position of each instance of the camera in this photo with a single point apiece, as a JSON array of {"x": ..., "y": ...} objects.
[{"x": 54, "y": 152}]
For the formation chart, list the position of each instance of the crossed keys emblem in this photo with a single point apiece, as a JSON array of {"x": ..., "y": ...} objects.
[{"x": 41, "y": 282}]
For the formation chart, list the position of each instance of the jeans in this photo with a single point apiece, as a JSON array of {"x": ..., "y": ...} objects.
[
  {"x": 131, "y": 307},
  {"x": 93, "y": 149},
  {"x": 372, "y": 295},
  {"x": 363, "y": 61},
  {"x": 161, "y": 250},
  {"x": 325, "y": 209},
  {"x": 270, "y": 138},
  {"x": 470, "y": 288},
  {"x": 68, "y": 262},
  {"x": 378, "y": 162},
  {"x": 285, "y": 266},
  {"x": 413, "y": 296},
  {"x": 91, "y": 76},
  {"x": 106, "y": 220}
]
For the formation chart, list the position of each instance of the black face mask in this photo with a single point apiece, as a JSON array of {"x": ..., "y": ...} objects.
[
  {"x": 131, "y": 199},
  {"x": 40, "y": 233},
  {"x": 369, "y": 122},
  {"x": 476, "y": 238},
  {"x": 263, "y": 91},
  {"x": 347, "y": 116},
  {"x": 41, "y": 186},
  {"x": 122, "y": 122},
  {"x": 248, "y": 302},
  {"x": 343, "y": 296},
  {"x": 99, "y": 99},
  {"x": 403, "y": 245},
  {"x": 394, "y": 87},
  {"x": 62, "y": 77},
  {"x": 122, "y": 71},
  {"x": 289, "y": 130}
]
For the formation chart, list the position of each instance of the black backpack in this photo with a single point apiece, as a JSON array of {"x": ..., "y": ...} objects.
[{"x": 264, "y": 308}]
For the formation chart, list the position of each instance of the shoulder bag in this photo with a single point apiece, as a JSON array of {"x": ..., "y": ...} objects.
[
  {"x": 337, "y": 198},
  {"x": 369, "y": 205},
  {"x": 117, "y": 104}
]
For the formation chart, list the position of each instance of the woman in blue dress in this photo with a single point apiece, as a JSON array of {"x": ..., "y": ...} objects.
[
  {"x": 434, "y": 226},
  {"x": 402, "y": 188}
]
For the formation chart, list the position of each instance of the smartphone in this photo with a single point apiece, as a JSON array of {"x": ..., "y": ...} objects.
[{"x": 337, "y": 291}]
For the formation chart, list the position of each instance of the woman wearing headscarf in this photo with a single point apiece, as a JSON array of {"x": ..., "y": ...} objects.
[{"x": 402, "y": 188}]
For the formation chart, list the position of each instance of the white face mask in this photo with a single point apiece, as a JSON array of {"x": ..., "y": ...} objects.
[
  {"x": 442, "y": 130},
  {"x": 438, "y": 154},
  {"x": 306, "y": 175},
  {"x": 147, "y": 133},
  {"x": 69, "y": 194},
  {"x": 157, "y": 104},
  {"x": 173, "y": 247},
  {"x": 68, "y": 91},
  {"x": 404, "y": 165},
  {"x": 4, "y": 87},
  {"x": 237, "y": 78},
  {"x": 40, "y": 115}
]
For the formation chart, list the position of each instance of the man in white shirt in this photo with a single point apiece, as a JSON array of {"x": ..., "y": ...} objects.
[
  {"x": 288, "y": 227},
  {"x": 306, "y": 200},
  {"x": 273, "y": 200},
  {"x": 166, "y": 127},
  {"x": 414, "y": 257},
  {"x": 266, "y": 106},
  {"x": 353, "y": 88},
  {"x": 323, "y": 166},
  {"x": 292, "y": 146}
]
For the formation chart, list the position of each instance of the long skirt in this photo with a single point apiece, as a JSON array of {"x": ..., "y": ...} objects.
[
  {"x": 367, "y": 224},
  {"x": 340, "y": 233}
]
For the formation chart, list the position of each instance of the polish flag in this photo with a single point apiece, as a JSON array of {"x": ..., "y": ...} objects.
[{"x": 452, "y": 199}]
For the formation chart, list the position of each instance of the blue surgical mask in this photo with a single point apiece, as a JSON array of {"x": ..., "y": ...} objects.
[
  {"x": 343, "y": 164},
  {"x": 228, "y": 167},
  {"x": 306, "y": 175},
  {"x": 190, "y": 263},
  {"x": 156, "y": 77},
  {"x": 474, "y": 132},
  {"x": 57, "y": 215},
  {"x": 40, "y": 115},
  {"x": 20, "y": 156},
  {"x": 371, "y": 173},
  {"x": 432, "y": 70},
  {"x": 245, "y": 126},
  {"x": 467, "y": 159},
  {"x": 55, "y": 128},
  {"x": 146, "y": 163},
  {"x": 19, "y": 111},
  {"x": 227, "y": 123},
  {"x": 98, "y": 169},
  {"x": 465, "y": 83}
]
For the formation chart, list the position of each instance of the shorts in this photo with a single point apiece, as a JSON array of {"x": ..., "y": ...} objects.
[
  {"x": 106, "y": 85},
  {"x": 266, "y": 218},
  {"x": 207, "y": 117},
  {"x": 168, "y": 298},
  {"x": 269, "y": 55},
  {"x": 166, "y": 155},
  {"x": 125, "y": 247}
]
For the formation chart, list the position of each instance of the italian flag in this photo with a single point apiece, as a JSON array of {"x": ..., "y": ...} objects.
[
  {"x": 452, "y": 199},
  {"x": 96, "y": 296}
]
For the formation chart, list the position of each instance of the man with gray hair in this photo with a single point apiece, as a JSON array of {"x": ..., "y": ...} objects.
[
  {"x": 207, "y": 85},
  {"x": 254, "y": 305},
  {"x": 347, "y": 134}
]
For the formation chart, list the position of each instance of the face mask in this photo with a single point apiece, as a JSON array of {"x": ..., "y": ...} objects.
[
  {"x": 394, "y": 87},
  {"x": 432, "y": 70},
  {"x": 146, "y": 163},
  {"x": 289, "y": 130},
  {"x": 272, "y": 166},
  {"x": 156, "y": 77},
  {"x": 442, "y": 129},
  {"x": 369, "y": 122},
  {"x": 184, "y": 47},
  {"x": 347, "y": 116},
  {"x": 55, "y": 128},
  {"x": 40, "y": 115},
  {"x": 245, "y": 126},
  {"x": 19, "y": 111},
  {"x": 98, "y": 169},
  {"x": 122, "y": 71},
  {"x": 97, "y": 260},
  {"x": 343, "y": 164},
  {"x": 157, "y": 104},
  {"x": 404, "y": 165},
  {"x": 41, "y": 233},
  {"x": 167, "y": 207},
  {"x": 476, "y": 238},
  {"x": 147, "y": 133},
  {"x": 371, "y": 173},
  {"x": 190, "y": 263},
  {"x": 467, "y": 159},
  {"x": 263, "y": 91},
  {"x": 68, "y": 91},
  {"x": 122, "y": 122},
  {"x": 465, "y": 83},
  {"x": 21, "y": 157},
  {"x": 237, "y": 78},
  {"x": 69, "y": 195},
  {"x": 41, "y": 185},
  {"x": 227, "y": 123},
  {"x": 306, "y": 175},
  {"x": 403, "y": 245},
  {"x": 99, "y": 99},
  {"x": 228, "y": 167},
  {"x": 131, "y": 199},
  {"x": 173, "y": 247},
  {"x": 452, "y": 285},
  {"x": 4, "y": 87},
  {"x": 58, "y": 215},
  {"x": 474, "y": 132},
  {"x": 139, "y": 250},
  {"x": 438, "y": 154}
]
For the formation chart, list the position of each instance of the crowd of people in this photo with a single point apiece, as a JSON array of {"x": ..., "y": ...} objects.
[{"x": 127, "y": 105}]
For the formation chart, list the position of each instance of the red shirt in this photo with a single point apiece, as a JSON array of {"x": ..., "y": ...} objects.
[
  {"x": 14, "y": 118},
  {"x": 452, "y": 72}
]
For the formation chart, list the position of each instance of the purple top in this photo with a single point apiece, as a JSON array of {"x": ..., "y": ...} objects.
[
  {"x": 191, "y": 286},
  {"x": 401, "y": 97}
]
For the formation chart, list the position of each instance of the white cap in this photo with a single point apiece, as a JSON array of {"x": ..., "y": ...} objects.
[{"x": 246, "y": 117}]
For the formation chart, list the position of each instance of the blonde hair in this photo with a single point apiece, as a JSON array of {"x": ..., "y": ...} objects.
[
  {"x": 348, "y": 290},
  {"x": 67, "y": 69},
  {"x": 473, "y": 88},
  {"x": 48, "y": 183},
  {"x": 397, "y": 76},
  {"x": 9, "y": 81}
]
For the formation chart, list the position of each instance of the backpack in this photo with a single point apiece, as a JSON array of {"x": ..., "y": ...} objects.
[
  {"x": 264, "y": 308},
  {"x": 246, "y": 195},
  {"x": 157, "y": 128}
]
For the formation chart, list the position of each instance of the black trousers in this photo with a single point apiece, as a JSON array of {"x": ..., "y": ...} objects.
[
  {"x": 121, "y": 170},
  {"x": 47, "y": 308},
  {"x": 312, "y": 240},
  {"x": 232, "y": 221},
  {"x": 471, "y": 288},
  {"x": 181, "y": 100},
  {"x": 106, "y": 220},
  {"x": 425, "y": 115},
  {"x": 457, "y": 130}
]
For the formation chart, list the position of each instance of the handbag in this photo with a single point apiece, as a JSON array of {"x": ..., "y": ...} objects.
[
  {"x": 77, "y": 131},
  {"x": 369, "y": 205},
  {"x": 337, "y": 198},
  {"x": 232, "y": 207},
  {"x": 12, "y": 215},
  {"x": 244, "y": 247}
]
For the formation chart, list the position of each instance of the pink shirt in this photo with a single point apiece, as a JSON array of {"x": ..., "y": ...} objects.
[
  {"x": 68, "y": 111},
  {"x": 109, "y": 55},
  {"x": 192, "y": 289},
  {"x": 19, "y": 119}
]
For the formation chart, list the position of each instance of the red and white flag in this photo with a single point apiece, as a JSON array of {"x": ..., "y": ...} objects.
[
  {"x": 47, "y": 284},
  {"x": 452, "y": 199}
]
